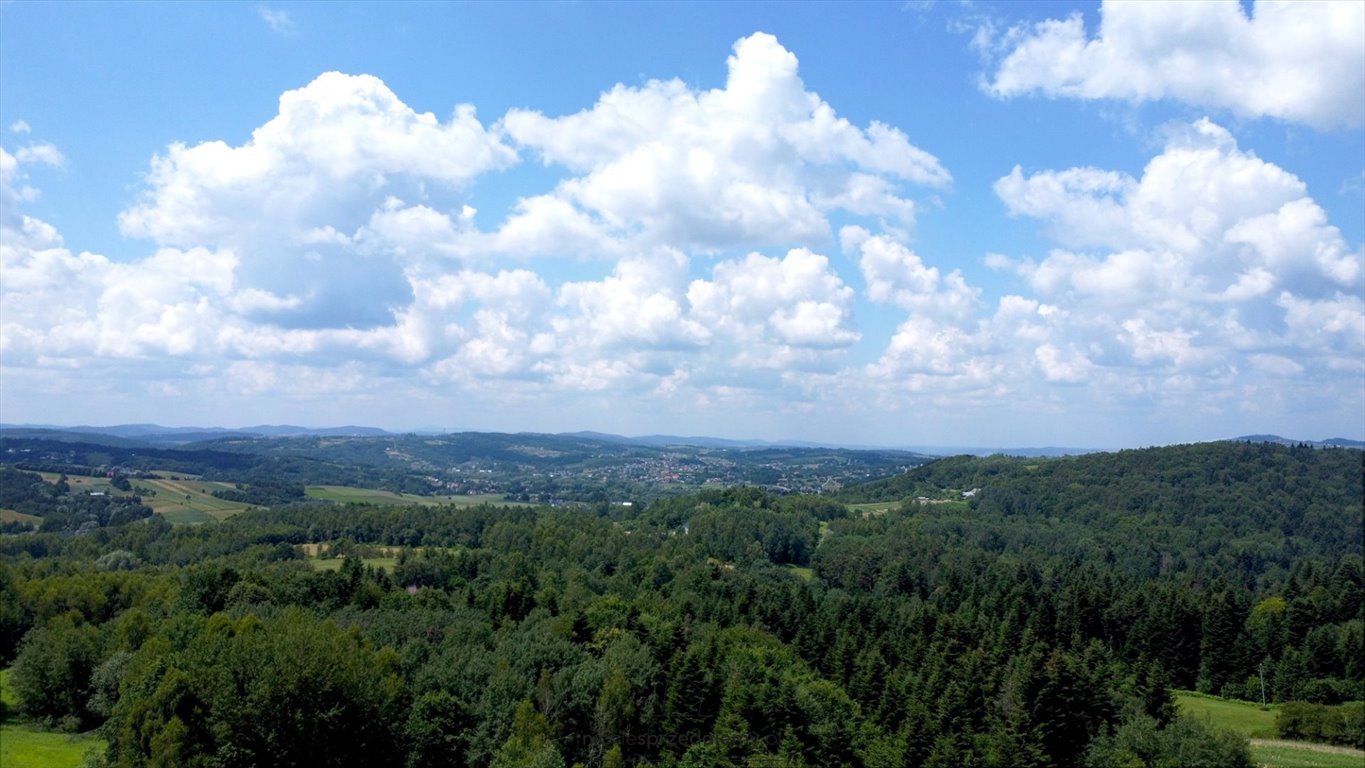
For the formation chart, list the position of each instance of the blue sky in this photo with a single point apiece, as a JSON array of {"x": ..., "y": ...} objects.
[{"x": 928, "y": 223}]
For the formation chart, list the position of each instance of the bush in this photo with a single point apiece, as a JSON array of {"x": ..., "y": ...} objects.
[
  {"x": 1342, "y": 724},
  {"x": 1141, "y": 743}
]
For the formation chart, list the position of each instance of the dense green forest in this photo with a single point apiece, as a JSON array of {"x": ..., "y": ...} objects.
[{"x": 989, "y": 612}]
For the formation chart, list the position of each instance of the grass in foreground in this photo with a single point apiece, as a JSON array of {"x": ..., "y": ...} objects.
[
  {"x": 1241, "y": 716},
  {"x": 1294, "y": 754},
  {"x": 1258, "y": 725},
  {"x": 23, "y": 746}
]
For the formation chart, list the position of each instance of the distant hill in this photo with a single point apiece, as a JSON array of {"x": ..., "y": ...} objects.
[
  {"x": 1333, "y": 442},
  {"x": 1173, "y": 482},
  {"x": 155, "y": 434},
  {"x": 663, "y": 441},
  {"x": 1039, "y": 451},
  {"x": 70, "y": 435},
  {"x": 926, "y": 451},
  {"x": 285, "y": 430}
]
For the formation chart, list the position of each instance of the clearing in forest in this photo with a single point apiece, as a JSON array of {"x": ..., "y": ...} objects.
[{"x": 1258, "y": 724}]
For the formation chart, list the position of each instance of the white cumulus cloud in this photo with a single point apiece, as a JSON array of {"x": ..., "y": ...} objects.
[
  {"x": 1297, "y": 61},
  {"x": 290, "y": 201},
  {"x": 1213, "y": 257},
  {"x": 1206, "y": 219},
  {"x": 760, "y": 161}
]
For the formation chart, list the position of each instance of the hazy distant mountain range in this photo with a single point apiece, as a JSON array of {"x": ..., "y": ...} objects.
[
  {"x": 155, "y": 434},
  {"x": 1334, "y": 442}
]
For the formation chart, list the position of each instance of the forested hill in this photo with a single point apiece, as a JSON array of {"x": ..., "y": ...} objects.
[
  {"x": 1039, "y": 622},
  {"x": 1221, "y": 464},
  {"x": 1242, "y": 489}
]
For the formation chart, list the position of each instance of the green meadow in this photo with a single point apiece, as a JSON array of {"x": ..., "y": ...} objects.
[
  {"x": 24, "y": 746},
  {"x": 1245, "y": 718},
  {"x": 1291, "y": 754},
  {"x": 335, "y": 563},
  {"x": 1257, "y": 723},
  {"x": 874, "y": 507},
  {"x": 181, "y": 500}
]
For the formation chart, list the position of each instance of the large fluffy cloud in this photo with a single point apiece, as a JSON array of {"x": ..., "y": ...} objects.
[
  {"x": 342, "y": 234},
  {"x": 897, "y": 275},
  {"x": 1211, "y": 284},
  {"x": 794, "y": 302},
  {"x": 1213, "y": 258},
  {"x": 760, "y": 161},
  {"x": 334, "y": 139},
  {"x": 1300, "y": 61},
  {"x": 288, "y": 201},
  {"x": 1206, "y": 223}
]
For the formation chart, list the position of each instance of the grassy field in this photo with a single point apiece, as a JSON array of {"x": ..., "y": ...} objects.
[
  {"x": 874, "y": 508},
  {"x": 1243, "y": 717},
  {"x": 384, "y": 558},
  {"x": 1295, "y": 754},
  {"x": 10, "y": 516},
  {"x": 334, "y": 563},
  {"x": 81, "y": 483},
  {"x": 1258, "y": 725},
  {"x": 189, "y": 501},
  {"x": 183, "y": 501},
  {"x": 192, "y": 501},
  {"x": 22, "y": 746},
  {"x": 346, "y": 494}
]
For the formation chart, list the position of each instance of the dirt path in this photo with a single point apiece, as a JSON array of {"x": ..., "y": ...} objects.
[{"x": 1308, "y": 746}]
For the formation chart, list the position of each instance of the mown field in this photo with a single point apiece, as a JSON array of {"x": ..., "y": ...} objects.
[
  {"x": 1297, "y": 754},
  {"x": 24, "y": 746},
  {"x": 10, "y": 516},
  {"x": 1258, "y": 725},
  {"x": 874, "y": 508},
  {"x": 1245, "y": 718},
  {"x": 183, "y": 501},
  {"x": 334, "y": 563},
  {"x": 81, "y": 483},
  {"x": 321, "y": 557},
  {"x": 189, "y": 501}
]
